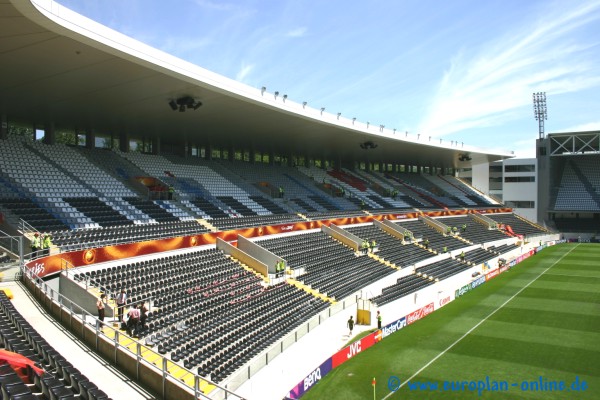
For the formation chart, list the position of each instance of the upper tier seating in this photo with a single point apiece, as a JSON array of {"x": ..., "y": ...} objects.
[
  {"x": 403, "y": 198},
  {"x": 579, "y": 188}
]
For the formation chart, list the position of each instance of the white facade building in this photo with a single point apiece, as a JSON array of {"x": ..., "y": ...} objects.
[{"x": 512, "y": 181}]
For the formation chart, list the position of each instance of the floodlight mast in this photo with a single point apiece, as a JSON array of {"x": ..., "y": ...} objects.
[{"x": 540, "y": 111}]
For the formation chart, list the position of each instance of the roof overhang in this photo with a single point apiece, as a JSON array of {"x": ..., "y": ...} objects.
[{"x": 63, "y": 68}]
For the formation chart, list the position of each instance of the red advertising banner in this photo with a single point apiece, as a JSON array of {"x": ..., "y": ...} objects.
[
  {"x": 420, "y": 313},
  {"x": 52, "y": 264},
  {"x": 354, "y": 348},
  {"x": 492, "y": 274}
]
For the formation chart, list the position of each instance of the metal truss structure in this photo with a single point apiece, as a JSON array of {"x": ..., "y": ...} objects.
[{"x": 575, "y": 144}]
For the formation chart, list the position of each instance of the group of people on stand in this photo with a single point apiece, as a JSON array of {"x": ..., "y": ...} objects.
[
  {"x": 40, "y": 245},
  {"x": 368, "y": 245},
  {"x": 133, "y": 322},
  {"x": 454, "y": 230}
]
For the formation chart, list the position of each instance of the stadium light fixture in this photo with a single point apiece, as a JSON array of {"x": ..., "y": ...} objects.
[
  {"x": 381, "y": 127},
  {"x": 353, "y": 119},
  {"x": 338, "y": 115},
  {"x": 184, "y": 103},
  {"x": 284, "y": 97},
  {"x": 276, "y": 94},
  {"x": 263, "y": 90},
  {"x": 540, "y": 111},
  {"x": 304, "y": 103},
  {"x": 322, "y": 109}
]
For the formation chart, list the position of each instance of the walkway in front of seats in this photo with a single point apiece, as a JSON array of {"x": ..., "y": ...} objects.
[{"x": 114, "y": 383}]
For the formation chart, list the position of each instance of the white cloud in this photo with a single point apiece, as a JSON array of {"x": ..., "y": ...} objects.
[
  {"x": 485, "y": 89},
  {"x": 244, "y": 72},
  {"x": 589, "y": 126},
  {"x": 298, "y": 32}
]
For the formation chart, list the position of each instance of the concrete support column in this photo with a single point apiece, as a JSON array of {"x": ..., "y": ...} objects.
[
  {"x": 49, "y": 133},
  {"x": 90, "y": 139},
  {"x": 156, "y": 146},
  {"x": 124, "y": 142},
  {"x": 3, "y": 127}
]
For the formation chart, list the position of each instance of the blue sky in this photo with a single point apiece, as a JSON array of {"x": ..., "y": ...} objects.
[{"x": 461, "y": 69}]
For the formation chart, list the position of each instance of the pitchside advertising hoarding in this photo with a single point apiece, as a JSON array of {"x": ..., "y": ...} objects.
[
  {"x": 354, "y": 348},
  {"x": 492, "y": 274},
  {"x": 393, "y": 327},
  {"x": 420, "y": 313},
  {"x": 336, "y": 360},
  {"x": 311, "y": 379}
]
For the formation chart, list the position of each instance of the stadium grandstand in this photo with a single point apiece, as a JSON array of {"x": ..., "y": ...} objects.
[{"x": 248, "y": 225}]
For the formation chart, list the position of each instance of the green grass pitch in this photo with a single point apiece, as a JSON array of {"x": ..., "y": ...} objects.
[{"x": 525, "y": 331}]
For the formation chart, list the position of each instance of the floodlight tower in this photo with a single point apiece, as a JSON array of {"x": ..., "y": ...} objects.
[{"x": 540, "y": 111}]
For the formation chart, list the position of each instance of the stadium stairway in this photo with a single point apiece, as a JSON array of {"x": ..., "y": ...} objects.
[
  {"x": 207, "y": 225},
  {"x": 309, "y": 290},
  {"x": 383, "y": 261}
]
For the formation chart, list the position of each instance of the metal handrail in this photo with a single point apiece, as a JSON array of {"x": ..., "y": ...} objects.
[
  {"x": 75, "y": 311},
  {"x": 12, "y": 242}
]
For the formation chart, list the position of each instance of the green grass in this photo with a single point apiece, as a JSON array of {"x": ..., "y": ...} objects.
[{"x": 551, "y": 329}]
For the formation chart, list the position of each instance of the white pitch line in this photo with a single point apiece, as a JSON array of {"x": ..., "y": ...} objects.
[{"x": 479, "y": 323}]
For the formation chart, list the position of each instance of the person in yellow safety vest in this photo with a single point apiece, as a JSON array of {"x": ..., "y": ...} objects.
[
  {"x": 46, "y": 244},
  {"x": 426, "y": 243},
  {"x": 378, "y": 320},
  {"x": 280, "y": 268},
  {"x": 448, "y": 230},
  {"x": 281, "y": 192},
  {"x": 171, "y": 191},
  {"x": 464, "y": 227},
  {"x": 365, "y": 246},
  {"x": 462, "y": 256},
  {"x": 373, "y": 245},
  {"x": 444, "y": 249},
  {"x": 455, "y": 229},
  {"x": 35, "y": 245}
]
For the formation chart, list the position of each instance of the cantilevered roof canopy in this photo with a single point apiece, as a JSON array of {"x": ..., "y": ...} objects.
[{"x": 62, "y": 68}]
